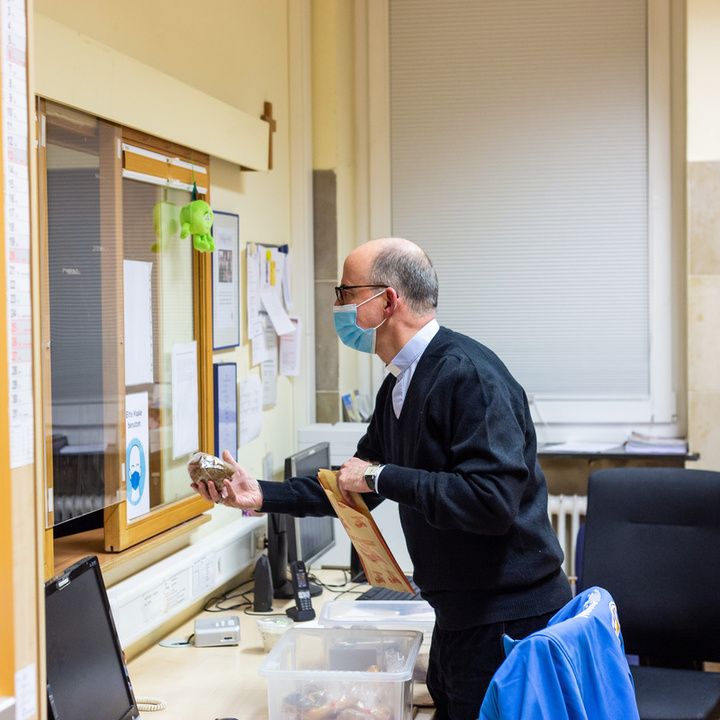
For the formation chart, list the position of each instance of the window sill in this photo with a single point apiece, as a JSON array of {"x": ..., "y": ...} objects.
[{"x": 74, "y": 547}]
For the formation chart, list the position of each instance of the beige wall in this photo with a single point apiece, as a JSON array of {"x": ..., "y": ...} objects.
[
  {"x": 703, "y": 193},
  {"x": 235, "y": 57}
]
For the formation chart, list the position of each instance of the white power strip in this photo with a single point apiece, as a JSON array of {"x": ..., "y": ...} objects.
[{"x": 148, "y": 599}]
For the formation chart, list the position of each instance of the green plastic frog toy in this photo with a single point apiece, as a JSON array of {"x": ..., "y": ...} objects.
[{"x": 196, "y": 218}]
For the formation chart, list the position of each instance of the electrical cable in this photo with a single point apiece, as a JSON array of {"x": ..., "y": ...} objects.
[{"x": 150, "y": 704}]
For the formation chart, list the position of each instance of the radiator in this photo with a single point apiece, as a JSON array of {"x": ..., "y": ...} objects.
[{"x": 567, "y": 512}]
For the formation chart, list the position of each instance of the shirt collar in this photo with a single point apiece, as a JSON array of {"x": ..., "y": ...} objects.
[{"x": 414, "y": 348}]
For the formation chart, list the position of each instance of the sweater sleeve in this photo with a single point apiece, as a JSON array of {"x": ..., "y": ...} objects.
[
  {"x": 301, "y": 497},
  {"x": 466, "y": 467},
  {"x": 298, "y": 496}
]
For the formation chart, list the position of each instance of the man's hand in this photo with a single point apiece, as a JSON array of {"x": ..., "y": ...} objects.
[
  {"x": 351, "y": 477},
  {"x": 242, "y": 491}
]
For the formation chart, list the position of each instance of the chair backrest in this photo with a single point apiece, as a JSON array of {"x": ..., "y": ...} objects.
[{"x": 652, "y": 539}]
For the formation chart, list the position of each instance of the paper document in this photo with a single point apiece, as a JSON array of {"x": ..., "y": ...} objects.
[
  {"x": 639, "y": 443},
  {"x": 278, "y": 316},
  {"x": 380, "y": 566},
  {"x": 185, "y": 423},
  {"x": 581, "y": 447}
]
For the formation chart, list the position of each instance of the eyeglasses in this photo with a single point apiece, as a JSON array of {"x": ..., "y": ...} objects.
[{"x": 342, "y": 288}]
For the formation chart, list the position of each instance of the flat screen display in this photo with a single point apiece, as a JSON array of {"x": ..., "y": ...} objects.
[
  {"x": 309, "y": 537},
  {"x": 86, "y": 675}
]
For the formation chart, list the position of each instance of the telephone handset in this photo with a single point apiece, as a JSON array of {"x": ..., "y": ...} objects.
[{"x": 303, "y": 609}]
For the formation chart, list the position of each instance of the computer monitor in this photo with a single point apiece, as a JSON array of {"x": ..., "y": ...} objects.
[
  {"x": 306, "y": 538},
  {"x": 86, "y": 675}
]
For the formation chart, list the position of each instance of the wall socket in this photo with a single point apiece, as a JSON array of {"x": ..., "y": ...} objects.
[{"x": 259, "y": 539}]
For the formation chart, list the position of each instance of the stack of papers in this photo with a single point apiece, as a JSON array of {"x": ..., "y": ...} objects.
[{"x": 638, "y": 443}]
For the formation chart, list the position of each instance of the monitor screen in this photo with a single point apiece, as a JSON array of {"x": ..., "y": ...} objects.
[
  {"x": 291, "y": 538},
  {"x": 86, "y": 674},
  {"x": 309, "y": 537}
]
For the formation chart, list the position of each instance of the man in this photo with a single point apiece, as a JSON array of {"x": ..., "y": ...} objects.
[{"x": 452, "y": 442}]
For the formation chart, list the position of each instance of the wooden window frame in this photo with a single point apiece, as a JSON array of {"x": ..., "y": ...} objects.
[{"x": 118, "y": 533}]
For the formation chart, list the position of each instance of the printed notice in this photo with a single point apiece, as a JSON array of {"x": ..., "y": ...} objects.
[
  {"x": 250, "y": 413},
  {"x": 137, "y": 296},
  {"x": 269, "y": 368},
  {"x": 16, "y": 198},
  {"x": 290, "y": 349},
  {"x": 184, "y": 399},
  {"x": 137, "y": 454}
]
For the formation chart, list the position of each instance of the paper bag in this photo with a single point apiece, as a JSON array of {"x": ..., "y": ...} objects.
[{"x": 380, "y": 566}]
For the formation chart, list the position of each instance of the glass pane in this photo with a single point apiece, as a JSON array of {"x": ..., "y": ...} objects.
[
  {"x": 151, "y": 237},
  {"x": 78, "y": 375},
  {"x": 118, "y": 330}
]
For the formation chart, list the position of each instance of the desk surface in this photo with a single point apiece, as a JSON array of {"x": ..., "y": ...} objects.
[
  {"x": 615, "y": 453},
  {"x": 219, "y": 682}
]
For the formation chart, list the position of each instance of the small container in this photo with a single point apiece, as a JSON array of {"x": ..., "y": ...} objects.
[
  {"x": 324, "y": 673},
  {"x": 271, "y": 629}
]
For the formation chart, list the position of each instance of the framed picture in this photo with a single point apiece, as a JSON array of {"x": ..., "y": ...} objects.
[
  {"x": 226, "y": 281},
  {"x": 225, "y": 391}
]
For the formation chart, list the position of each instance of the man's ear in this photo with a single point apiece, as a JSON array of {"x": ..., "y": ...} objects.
[{"x": 391, "y": 301}]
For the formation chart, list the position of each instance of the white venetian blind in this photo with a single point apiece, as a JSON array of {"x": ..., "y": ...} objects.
[{"x": 519, "y": 162}]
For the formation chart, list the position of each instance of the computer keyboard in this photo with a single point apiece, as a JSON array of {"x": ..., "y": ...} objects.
[{"x": 385, "y": 594}]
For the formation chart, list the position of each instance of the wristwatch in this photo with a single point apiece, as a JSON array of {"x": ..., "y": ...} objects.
[{"x": 370, "y": 475}]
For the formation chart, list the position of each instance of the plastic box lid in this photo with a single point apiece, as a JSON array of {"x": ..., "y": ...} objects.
[
  {"x": 343, "y": 654},
  {"x": 390, "y": 614}
]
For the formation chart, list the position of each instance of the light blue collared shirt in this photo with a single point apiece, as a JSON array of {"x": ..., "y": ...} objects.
[
  {"x": 403, "y": 367},
  {"x": 404, "y": 363}
]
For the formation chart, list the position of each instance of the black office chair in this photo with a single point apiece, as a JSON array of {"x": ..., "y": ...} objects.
[{"x": 652, "y": 539}]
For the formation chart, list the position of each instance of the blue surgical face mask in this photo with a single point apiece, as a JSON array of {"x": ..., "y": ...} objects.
[
  {"x": 135, "y": 480},
  {"x": 351, "y": 334}
]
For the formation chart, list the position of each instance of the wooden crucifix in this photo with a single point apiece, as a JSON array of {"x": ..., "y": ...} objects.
[{"x": 267, "y": 116}]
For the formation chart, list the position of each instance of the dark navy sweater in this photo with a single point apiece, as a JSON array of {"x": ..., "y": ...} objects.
[{"x": 461, "y": 462}]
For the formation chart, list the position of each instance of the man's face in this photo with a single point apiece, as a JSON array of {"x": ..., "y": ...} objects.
[{"x": 356, "y": 290}]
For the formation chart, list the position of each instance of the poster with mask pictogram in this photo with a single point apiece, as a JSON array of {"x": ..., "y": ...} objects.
[
  {"x": 137, "y": 455},
  {"x": 378, "y": 562}
]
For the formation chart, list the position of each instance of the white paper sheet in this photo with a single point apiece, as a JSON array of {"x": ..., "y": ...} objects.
[
  {"x": 250, "y": 409},
  {"x": 184, "y": 399},
  {"x": 137, "y": 296},
  {"x": 286, "y": 288},
  {"x": 269, "y": 369},
  {"x": 580, "y": 447},
  {"x": 254, "y": 319},
  {"x": 137, "y": 455},
  {"x": 259, "y": 349},
  {"x": 290, "y": 349},
  {"x": 273, "y": 306}
]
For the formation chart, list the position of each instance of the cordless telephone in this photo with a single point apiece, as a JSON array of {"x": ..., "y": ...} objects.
[{"x": 303, "y": 609}]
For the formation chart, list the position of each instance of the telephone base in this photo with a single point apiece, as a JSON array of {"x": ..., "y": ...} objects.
[{"x": 300, "y": 615}]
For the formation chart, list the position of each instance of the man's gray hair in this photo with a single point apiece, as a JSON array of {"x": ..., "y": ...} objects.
[{"x": 407, "y": 268}]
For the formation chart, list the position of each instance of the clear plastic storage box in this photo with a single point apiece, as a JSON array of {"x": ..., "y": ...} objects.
[
  {"x": 389, "y": 614},
  {"x": 341, "y": 674}
]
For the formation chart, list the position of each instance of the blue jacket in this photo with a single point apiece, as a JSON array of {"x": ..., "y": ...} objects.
[{"x": 574, "y": 669}]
